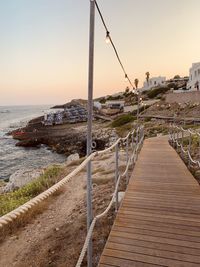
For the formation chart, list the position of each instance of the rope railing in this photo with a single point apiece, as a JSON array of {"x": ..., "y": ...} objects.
[
  {"x": 16, "y": 213},
  {"x": 131, "y": 160},
  {"x": 178, "y": 141}
]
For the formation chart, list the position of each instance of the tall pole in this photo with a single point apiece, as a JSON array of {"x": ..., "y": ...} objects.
[
  {"x": 89, "y": 126},
  {"x": 138, "y": 108},
  {"x": 138, "y": 111}
]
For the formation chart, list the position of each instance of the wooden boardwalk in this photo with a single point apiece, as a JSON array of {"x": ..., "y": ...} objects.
[{"x": 158, "y": 223}]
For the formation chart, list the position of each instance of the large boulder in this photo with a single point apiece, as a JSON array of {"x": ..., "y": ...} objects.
[
  {"x": 21, "y": 178},
  {"x": 73, "y": 157}
]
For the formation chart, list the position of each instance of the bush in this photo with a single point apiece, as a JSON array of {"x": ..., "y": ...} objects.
[
  {"x": 147, "y": 119},
  {"x": 156, "y": 91},
  {"x": 118, "y": 97},
  {"x": 124, "y": 119},
  {"x": 12, "y": 200}
]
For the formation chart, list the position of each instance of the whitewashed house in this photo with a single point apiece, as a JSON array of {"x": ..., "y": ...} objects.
[
  {"x": 194, "y": 77},
  {"x": 97, "y": 105},
  {"x": 115, "y": 104},
  {"x": 153, "y": 82}
]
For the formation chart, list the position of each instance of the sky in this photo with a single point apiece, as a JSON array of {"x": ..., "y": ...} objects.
[{"x": 44, "y": 46}]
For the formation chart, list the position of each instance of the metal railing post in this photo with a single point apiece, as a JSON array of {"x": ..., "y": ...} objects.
[
  {"x": 140, "y": 134},
  {"x": 199, "y": 147},
  {"x": 189, "y": 148},
  {"x": 182, "y": 136},
  {"x": 116, "y": 173},
  {"x": 127, "y": 157},
  {"x": 177, "y": 139},
  {"x": 138, "y": 140},
  {"x": 138, "y": 108},
  {"x": 132, "y": 140},
  {"x": 175, "y": 135}
]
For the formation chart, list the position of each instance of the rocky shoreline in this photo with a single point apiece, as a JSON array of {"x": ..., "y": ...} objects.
[
  {"x": 67, "y": 139},
  {"x": 64, "y": 139}
]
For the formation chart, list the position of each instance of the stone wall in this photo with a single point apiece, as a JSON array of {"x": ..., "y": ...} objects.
[{"x": 193, "y": 97}]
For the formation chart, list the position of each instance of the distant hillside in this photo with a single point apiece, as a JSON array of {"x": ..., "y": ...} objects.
[
  {"x": 129, "y": 97},
  {"x": 74, "y": 102}
]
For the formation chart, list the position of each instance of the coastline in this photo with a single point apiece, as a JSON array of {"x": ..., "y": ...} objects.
[{"x": 14, "y": 158}]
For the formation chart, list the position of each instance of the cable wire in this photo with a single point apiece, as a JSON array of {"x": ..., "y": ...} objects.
[{"x": 112, "y": 43}]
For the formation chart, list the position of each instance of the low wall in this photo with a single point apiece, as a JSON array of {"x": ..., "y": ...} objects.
[{"x": 185, "y": 97}]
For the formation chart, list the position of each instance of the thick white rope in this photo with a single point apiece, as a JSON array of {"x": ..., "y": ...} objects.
[
  {"x": 13, "y": 215},
  {"x": 175, "y": 140},
  {"x": 90, "y": 231}
]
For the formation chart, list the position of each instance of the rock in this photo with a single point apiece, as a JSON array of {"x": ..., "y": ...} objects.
[
  {"x": 29, "y": 143},
  {"x": 14, "y": 237},
  {"x": 21, "y": 178},
  {"x": 73, "y": 157}
]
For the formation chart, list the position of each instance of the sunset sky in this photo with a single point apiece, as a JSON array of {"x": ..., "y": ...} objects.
[{"x": 44, "y": 46}]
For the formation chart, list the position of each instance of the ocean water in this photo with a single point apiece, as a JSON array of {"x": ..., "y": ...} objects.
[{"x": 13, "y": 158}]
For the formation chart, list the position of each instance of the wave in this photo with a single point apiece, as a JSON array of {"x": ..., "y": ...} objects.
[
  {"x": 18, "y": 124},
  {"x": 5, "y": 111}
]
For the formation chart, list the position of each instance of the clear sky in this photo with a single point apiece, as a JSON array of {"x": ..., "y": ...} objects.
[{"x": 44, "y": 46}]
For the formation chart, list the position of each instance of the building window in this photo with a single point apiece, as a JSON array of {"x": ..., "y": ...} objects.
[
  {"x": 155, "y": 83},
  {"x": 198, "y": 71},
  {"x": 195, "y": 73}
]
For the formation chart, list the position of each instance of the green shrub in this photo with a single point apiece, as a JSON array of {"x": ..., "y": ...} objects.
[
  {"x": 156, "y": 91},
  {"x": 123, "y": 130},
  {"x": 147, "y": 119},
  {"x": 123, "y": 119},
  {"x": 118, "y": 97},
  {"x": 12, "y": 200}
]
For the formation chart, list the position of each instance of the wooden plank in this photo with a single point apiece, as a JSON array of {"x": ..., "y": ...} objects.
[
  {"x": 125, "y": 262},
  {"x": 166, "y": 228},
  {"x": 158, "y": 239},
  {"x": 149, "y": 217},
  {"x": 153, "y": 252},
  {"x": 167, "y": 215},
  {"x": 157, "y": 233},
  {"x": 158, "y": 223},
  {"x": 147, "y": 258},
  {"x": 154, "y": 245}
]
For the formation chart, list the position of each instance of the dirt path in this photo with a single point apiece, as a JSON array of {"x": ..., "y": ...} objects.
[
  {"x": 35, "y": 238},
  {"x": 55, "y": 237}
]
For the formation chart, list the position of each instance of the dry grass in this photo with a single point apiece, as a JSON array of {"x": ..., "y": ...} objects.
[
  {"x": 76, "y": 162},
  {"x": 22, "y": 220},
  {"x": 97, "y": 170},
  {"x": 106, "y": 172},
  {"x": 101, "y": 181},
  {"x": 104, "y": 157},
  {"x": 12, "y": 200}
]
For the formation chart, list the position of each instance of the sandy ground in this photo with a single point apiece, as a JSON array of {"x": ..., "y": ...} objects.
[{"x": 55, "y": 237}]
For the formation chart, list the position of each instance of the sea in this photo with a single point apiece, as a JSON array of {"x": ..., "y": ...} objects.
[{"x": 13, "y": 158}]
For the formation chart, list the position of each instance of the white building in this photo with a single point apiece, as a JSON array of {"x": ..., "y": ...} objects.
[
  {"x": 194, "y": 77},
  {"x": 153, "y": 82},
  {"x": 97, "y": 105},
  {"x": 115, "y": 104}
]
